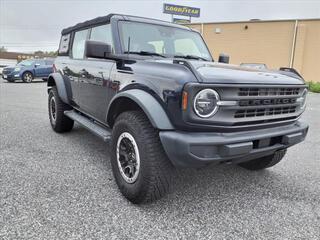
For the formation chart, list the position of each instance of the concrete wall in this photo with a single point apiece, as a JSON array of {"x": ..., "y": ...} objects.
[
  {"x": 307, "y": 52},
  {"x": 269, "y": 42}
]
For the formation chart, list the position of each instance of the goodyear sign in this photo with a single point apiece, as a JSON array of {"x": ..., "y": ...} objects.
[{"x": 181, "y": 10}]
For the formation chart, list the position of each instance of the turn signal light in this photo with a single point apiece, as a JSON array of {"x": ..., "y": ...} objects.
[{"x": 184, "y": 100}]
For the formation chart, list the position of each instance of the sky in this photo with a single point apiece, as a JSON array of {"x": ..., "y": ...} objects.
[{"x": 30, "y": 25}]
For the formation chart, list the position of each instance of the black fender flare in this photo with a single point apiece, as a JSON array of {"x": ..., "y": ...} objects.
[
  {"x": 151, "y": 107},
  {"x": 56, "y": 79}
]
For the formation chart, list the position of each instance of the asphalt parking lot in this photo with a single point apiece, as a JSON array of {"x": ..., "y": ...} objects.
[{"x": 61, "y": 186}]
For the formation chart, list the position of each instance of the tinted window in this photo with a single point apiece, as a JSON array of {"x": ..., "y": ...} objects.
[
  {"x": 78, "y": 44},
  {"x": 102, "y": 33}
]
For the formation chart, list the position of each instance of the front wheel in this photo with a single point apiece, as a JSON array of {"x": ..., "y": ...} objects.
[
  {"x": 59, "y": 122},
  {"x": 264, "y": 162},
  {"x": 140, "y": 166},
  {"x": 27, "y": 77}
]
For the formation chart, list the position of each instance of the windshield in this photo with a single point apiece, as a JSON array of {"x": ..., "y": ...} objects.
[
  {"x": 163, "y": 40},
  {"x": 28, "y": 62}
]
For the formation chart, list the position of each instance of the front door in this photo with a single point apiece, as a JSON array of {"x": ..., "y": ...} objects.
[
  {"x": 94, "y": 78},
  {"x": 94, "y": 87}
]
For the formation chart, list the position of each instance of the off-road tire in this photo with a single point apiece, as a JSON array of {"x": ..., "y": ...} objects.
[
  {"x": 60, "y": 123},
  {"x": 156, "y": 171},
  {"x": 264, "y": 162},
  {"x": 27, "y": 77}
]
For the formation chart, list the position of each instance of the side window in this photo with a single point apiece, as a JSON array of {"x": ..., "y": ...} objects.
[
  {"x": 49, "y": 62},
  {"x": 64, "y": 44},
  {"x": 78, "y": 44},
  {"x": 102, "y": 33},
  {"x": 40, "y": 62}
]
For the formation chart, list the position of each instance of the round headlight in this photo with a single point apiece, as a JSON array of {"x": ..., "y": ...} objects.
[{"x": 205, "y": 103}]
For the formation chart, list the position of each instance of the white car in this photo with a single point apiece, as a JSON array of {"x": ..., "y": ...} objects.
[{"x": 1, "y": 68}]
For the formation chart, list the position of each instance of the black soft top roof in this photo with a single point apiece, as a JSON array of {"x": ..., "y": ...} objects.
[
  {"x": 106, "y": 19},
  {"x": 86, "y": 24}
]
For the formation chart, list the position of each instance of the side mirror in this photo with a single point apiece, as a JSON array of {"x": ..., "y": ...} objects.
[
  {"x": 223, "y": 58},
  {"x": 96, "y": 49}
]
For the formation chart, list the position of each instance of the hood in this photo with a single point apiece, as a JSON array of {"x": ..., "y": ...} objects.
[
  {"x": 211, "y": 72},
  {"x": 9, "y": 69}
]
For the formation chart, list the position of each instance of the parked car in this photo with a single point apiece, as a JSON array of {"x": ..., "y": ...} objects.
[
  {"x": 29, "y": 69},
  {"x": 153, "y": 92},
  {"x": 1, "y": 68}
]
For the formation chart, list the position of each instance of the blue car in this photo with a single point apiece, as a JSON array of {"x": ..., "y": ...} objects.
[{"x": 28, "y": 70}]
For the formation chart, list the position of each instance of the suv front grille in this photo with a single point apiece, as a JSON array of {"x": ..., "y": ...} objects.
[
  {"x": 247, "y": 113},
  {"x": 268, "y": 91},
  {"x": 267, "y": 102},
  {"x": 5, "y": 71}
]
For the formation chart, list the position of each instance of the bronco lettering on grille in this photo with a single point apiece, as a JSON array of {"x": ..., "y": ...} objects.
[{"x": 257, "y": 102}]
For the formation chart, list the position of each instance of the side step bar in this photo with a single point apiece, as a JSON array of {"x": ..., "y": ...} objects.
[{"x": 89, "y": 124}]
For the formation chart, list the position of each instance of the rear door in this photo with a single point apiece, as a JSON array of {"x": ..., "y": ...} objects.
[{"x": 94, "y": 78}]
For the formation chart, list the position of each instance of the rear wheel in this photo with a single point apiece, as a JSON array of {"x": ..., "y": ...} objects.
[
  {"x": 59, "y": 122},
  {"x": 140, "y": 166},
  {"x": 27, "y": 77},
  {"x": 264, "y": 162}
]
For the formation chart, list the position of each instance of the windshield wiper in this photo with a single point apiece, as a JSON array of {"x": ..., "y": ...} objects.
[
  {"x": 190, "y": 57},
  {"x": 145, "y": 53}
]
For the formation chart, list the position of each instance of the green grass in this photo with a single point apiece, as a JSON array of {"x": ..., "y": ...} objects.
[{"x": 314, "y": 87}]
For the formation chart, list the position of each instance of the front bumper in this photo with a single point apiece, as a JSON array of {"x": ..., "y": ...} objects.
[
  {"x": 11, "y": 76},
  {"x": 196, "y": 149}
]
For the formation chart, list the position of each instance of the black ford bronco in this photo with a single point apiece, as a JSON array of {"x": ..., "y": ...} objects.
[{"x": 153, "y": 92}]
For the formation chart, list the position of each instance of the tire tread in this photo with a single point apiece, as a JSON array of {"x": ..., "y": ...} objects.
[
  {"x": 157, "y": 181},
  {"x": 63, "y": 123}
]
